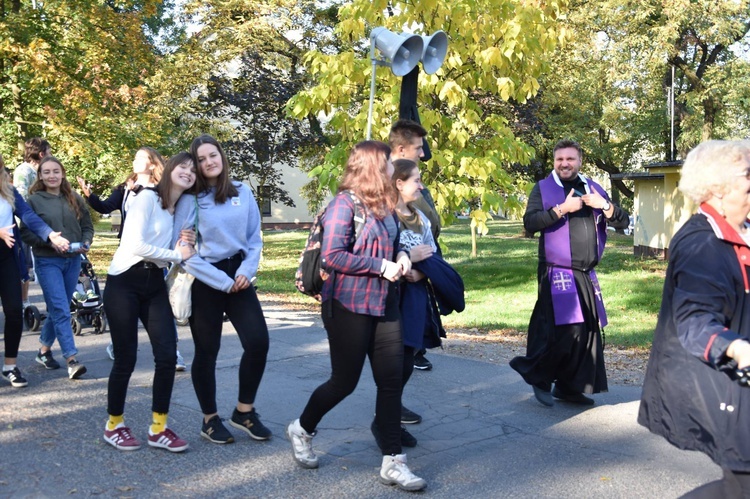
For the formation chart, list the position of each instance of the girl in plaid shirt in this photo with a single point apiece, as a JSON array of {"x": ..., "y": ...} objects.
[{"x": 361, "y": 309}]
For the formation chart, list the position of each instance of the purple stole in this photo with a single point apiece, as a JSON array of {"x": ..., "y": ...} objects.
[{"x": 565, "y": 301}]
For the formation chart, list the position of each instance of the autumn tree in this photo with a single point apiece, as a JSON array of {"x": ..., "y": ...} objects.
[
  {"x": 498, "y": 49},
  {"x": 253, "y": 99},
  {"x": 703, "y": 40},
  {"x": 75, "y": 71}
]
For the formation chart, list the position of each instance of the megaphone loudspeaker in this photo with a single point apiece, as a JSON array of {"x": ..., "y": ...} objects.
[
  {"x": 404, "y": 51},
  {"x": 435, "y": 49}
]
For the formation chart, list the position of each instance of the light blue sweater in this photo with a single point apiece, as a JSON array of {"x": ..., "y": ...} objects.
[{"x": 224, "y": 230}]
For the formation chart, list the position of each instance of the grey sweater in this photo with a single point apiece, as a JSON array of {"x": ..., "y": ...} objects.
[{"x": 224, "y": 230}]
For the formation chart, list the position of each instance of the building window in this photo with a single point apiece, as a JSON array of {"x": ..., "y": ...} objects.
[{"x": 265, "y": 201}]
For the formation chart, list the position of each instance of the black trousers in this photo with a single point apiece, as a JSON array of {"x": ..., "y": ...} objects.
[
  {"x": 206, "y": 323},
  {"x": 140, "y": 293},
  {"x": 10, "y": 295},
  {"x": 352, "y": 337}
]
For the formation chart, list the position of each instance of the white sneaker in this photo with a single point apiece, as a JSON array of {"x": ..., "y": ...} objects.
[
  {"x": 394, "y": 471},
  {"x": 180, "y": 365},
  {"x": 301, "y": 445},
  {"x": 111, "y": 351}
]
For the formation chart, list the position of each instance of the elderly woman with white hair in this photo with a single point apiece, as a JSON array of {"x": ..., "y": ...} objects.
[{"x": 692, "y": 394}]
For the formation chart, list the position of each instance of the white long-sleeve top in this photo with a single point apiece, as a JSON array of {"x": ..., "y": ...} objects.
[{"x": 146, "y": 236}]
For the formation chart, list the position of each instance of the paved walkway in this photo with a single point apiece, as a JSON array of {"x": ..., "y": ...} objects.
[{"x": 483, "y": 434}]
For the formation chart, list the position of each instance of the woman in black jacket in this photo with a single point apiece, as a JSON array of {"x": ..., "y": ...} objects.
[{"x": 691, "y": 394}]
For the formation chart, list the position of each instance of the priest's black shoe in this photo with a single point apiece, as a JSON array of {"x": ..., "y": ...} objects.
[
  {"x": 543, "y": 396},
  {"x": 573, "y": 398}
]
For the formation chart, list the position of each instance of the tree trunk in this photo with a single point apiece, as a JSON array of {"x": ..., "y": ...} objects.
[
  {"x": 21, "y": 127},
  {"x": 618, "y": 184},
  {"x": 710, "y": 110}
]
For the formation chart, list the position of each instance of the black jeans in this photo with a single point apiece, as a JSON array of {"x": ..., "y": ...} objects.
[
  {"x": 352, "y": 337},
  {"x": 140, "y": 293},
  {"x": 206, "y": 323},
  {"x": 10, "y": 295}
]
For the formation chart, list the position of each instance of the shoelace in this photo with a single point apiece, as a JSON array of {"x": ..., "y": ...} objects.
[
  {"x": 124, "y": 434},
  {"x": 404, "y": 470}
]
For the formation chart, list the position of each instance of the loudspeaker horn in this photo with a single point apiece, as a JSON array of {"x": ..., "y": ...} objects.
[
  {"x": 404, "y": 51},
  {"x": 435, "y": 49}
]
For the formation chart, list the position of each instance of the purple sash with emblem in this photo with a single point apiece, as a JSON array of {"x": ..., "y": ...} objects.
[{"x": 565, "y": 301}]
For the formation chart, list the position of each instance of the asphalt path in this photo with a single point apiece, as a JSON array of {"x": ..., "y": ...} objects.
[{"x": 483, "y": 434}]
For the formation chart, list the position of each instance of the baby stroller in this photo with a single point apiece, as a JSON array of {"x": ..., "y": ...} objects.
[{"x": 86, "y": 304}]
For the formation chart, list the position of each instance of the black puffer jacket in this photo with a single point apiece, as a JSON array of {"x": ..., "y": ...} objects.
[{"x": 689, "y": 394}]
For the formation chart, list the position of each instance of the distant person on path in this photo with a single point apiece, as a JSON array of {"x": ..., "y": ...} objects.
[
  {"x": 148, "y": 167},
  {"x": 65, "y": 211},
  {"x": 360, "y": 309},
  {"x": 24, "y": 176},
  {"x": 12, "y": 267},
  {"x": 226, "y": 220},
  {"x": 564, "y": 342},
  {"x": 691, "y": 395},
  {"x": 136, "y": 290}
]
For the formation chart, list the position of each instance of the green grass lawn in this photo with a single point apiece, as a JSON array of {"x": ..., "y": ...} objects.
[{"x": 500, "y": 283}]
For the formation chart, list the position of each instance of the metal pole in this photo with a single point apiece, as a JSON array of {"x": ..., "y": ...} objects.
[
  {"x": 372, "y": 87},
  {"x": 671, "y": 113}
]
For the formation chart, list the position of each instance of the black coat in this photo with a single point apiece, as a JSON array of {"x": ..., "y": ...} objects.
[{"x": 689, "y": 394}]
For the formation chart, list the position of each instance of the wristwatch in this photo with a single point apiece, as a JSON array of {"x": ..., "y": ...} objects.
[{"x": 605, "y": 206}]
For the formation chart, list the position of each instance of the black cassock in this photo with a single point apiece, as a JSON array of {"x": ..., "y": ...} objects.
[{"x": 573, "y": 354}]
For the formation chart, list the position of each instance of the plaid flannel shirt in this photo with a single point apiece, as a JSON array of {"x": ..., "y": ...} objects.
[{"x": 356, "y": 265}]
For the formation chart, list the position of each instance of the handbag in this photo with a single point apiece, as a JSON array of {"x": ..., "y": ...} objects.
[
  {"x": 180, "y": 285},
  {"x": 179, "y": 288}
]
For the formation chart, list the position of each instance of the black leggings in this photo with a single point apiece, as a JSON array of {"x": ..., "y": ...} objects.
[
  {"x": 10, "y": 295},
  {"x": 734, "y": 485},
  {"x": 352, "y": 337},
  {"x": 206, "y": 323},
  {"x": 140, "y": 293}
]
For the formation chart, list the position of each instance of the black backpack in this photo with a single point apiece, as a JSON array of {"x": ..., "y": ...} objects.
[{"x": 310, "y": 277}]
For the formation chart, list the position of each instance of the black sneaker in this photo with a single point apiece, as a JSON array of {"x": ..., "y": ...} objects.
[
  {"x": 46, "y": 360},
  {"x": 407, "y": 439},
  {"x": 15, "y": 378},
  {"x": 249, "y": 422},
  {"x": 421, "y": 362},
  {"x": 216, "y": 432},
  {"x": 409, "y": 417}
]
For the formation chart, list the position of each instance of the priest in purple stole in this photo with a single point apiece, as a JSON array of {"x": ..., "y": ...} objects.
[{"x": 564, "y": 344}]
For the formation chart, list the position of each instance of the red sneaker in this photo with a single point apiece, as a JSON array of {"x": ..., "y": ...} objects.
[
  {"x": 121, "y": 438},
  {"x": 167, "y": 440}
]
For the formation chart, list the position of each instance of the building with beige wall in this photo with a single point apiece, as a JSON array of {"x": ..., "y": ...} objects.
[{"x": 659, "y": 208}]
